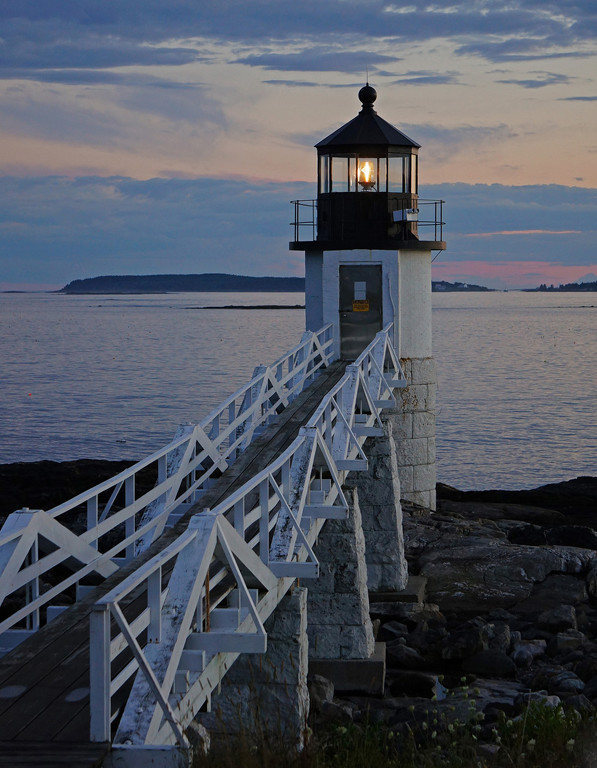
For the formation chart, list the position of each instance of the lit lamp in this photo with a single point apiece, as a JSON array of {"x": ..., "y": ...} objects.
[{"x": 365, "y": 175}]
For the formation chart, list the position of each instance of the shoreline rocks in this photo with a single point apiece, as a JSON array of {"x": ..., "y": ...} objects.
[{"x": 510, "y": 611}]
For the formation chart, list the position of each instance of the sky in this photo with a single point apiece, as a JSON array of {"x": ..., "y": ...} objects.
[{"x": 170, "y": 135}]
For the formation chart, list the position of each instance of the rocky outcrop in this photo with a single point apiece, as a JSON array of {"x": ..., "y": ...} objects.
[
  {"x": 510, "y": 613},
  {"x": 45, "y": 484}
]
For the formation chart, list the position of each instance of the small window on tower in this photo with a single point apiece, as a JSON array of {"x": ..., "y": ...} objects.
[{"x": 360, "y": 291}]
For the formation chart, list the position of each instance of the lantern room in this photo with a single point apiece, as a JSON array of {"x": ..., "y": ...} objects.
[
  {"x": 367, "y": 180},
  {"x": 367, "y": 189}
]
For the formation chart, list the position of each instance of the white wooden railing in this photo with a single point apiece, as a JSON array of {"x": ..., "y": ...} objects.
[
  {"x": 96, "y": 532},
  {"x": 162, "y": 639}
]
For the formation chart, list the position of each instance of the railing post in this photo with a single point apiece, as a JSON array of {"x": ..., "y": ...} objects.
[
  {"x": 239, "y": 517},
  {"x": 32, "y": 589},
  {"x": 92, "y": 517},
  {"x": 154, "y": 603},
  {"x": 99, "y": 673},
  {"x": 129, "y": 526},
  {"x": 264, "y": 521}
]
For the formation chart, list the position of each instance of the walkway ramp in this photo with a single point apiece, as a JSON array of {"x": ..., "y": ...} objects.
[
  {"x": 246, "y": 493},
  {"x": 44, "y": 682}
]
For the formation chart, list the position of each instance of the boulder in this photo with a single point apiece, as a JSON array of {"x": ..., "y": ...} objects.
[
  {"x": 400, "y": 656},
  {"x": 335, "y": 712},
  {"x": 559, "y": 618},
  {"x": 565, "y": 641},
  {"x": 490, "y": 663},
  {"x": 586, "y": 668},
  {"x": 321, "y": 691},
  {"x": 411, "y": 683},
  {"x": 526, "y": 651},
  {"x": 572, "y": 536},
  {"x": 466, "y": 640},
  {"x": 485, "y": 574},
  {"x": 500, "y": 637},
  {"x": 565, "y": 683},
  {"x": 390, "y": 630}
]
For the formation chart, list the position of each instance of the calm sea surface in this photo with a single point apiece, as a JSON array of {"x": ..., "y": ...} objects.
[{"x": 112, "y": 376}]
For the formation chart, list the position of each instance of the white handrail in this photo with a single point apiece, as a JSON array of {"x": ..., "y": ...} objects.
[
  {"x": 287, "y": 502},
  {"x": 120, "y": 521}
]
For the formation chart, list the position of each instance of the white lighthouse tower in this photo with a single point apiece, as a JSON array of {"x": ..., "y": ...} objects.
[{"x": 367, "y": 264}]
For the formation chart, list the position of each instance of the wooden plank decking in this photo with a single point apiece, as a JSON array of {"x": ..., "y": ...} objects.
[{"x": 44, "y": 682}]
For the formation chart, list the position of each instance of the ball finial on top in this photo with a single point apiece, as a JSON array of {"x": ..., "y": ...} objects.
[{"x": 367, "y": 95}]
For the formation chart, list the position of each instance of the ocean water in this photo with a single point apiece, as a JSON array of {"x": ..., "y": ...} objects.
[
  {"x": 517, "y": 388},
  {"x": 113, "y": 376}
]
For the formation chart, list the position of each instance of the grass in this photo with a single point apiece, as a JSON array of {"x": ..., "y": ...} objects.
[{"x": 542, "y": 737}]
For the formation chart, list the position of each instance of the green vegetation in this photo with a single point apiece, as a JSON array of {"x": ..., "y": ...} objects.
[
  {"x": 543, "y": 737},
  {"x": 583, "y": 287}
]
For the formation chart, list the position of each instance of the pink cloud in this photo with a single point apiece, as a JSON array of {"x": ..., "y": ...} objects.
[
  {"x": 525, "y": 232},
  {"x": 509, "y": 274}
]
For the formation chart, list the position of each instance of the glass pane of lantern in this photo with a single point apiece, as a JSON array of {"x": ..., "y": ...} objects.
[
  {"x": 324, "y": 174},
  {"x": 339, "y": 174},
  {"x": 415, "y": 173},
  {"x": 352, "y": 173},
  {"x": 367, "y": 174},
  {"x": 382, "y": 175},
  {"x": 407, "y": 174},
  {"x": 395, "y": 173}
]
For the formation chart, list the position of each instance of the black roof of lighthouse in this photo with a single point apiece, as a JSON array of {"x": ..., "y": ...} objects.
[{"x": 367, "y": 128}]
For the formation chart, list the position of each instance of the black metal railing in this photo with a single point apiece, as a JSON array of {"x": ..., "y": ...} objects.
[
  {"x": 428, "y": 213},
  {"x": 305, "y": 220}
]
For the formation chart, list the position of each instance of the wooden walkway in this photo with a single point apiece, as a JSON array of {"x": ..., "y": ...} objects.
[{"x": 44, "y": 682}]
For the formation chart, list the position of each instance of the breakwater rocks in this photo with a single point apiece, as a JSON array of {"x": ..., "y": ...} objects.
[
  {"x": 45, "y": 484},
  {"x": 509, "y": 613}
]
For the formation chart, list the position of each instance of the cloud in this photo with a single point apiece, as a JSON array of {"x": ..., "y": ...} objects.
[
  {"x": 111, "y": 118},
  {"x": 441, "y": 143},
  {"x": 544, "y": 79},
  {"x": 293, "y": 83},
  {"x": 579, "y": 98},
  {"x": 519, "y": 50},
  {"x": 117, "y": 225},
  {"x": 311, "y": 60},
  {"x": 518, "y": 232},
  {"x": 502, "y": 274},
  {"x": 110, "y": 226},
  {"x": 94, "y": 77},
  {"x": 427, "y": 78},
  {"x": 87, "y": 52},
  {"x": 89, "y": 34}
]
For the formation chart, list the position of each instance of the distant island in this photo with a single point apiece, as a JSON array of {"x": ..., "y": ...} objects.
[
  {"x": 211, "y": 282},
  {"x": 443, "y": 285},
  {"x": 583, "y": 287},
  {"x": 205, "y": 283}
]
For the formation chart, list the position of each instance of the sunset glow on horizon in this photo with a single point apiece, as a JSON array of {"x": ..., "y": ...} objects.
[{"x": 170, "y": 104}]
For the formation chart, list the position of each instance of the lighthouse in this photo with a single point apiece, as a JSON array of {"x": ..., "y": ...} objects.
[{"x": 368, "y": 239}]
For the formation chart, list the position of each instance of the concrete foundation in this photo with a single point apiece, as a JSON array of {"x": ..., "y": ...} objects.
[
  {"x": 365, "y": 676},
  {"x": 379, "y": 500},
  {"x": 413, "y": 429},
  {"x": 264, "y": 697},
  {"x": 338, "y": 601}
]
